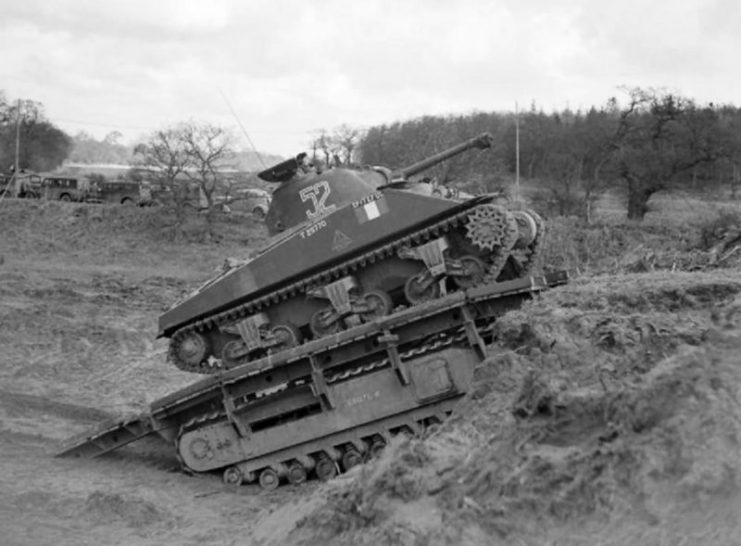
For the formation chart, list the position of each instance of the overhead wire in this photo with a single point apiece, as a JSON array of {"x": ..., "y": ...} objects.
[{"x": 239, "y": 122}]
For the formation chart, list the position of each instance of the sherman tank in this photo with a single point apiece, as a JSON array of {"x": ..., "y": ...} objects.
[{"x": 349, "y": 247}]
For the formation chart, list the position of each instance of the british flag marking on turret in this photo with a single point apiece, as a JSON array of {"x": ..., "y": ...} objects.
[{"x": 371, "y": 210}]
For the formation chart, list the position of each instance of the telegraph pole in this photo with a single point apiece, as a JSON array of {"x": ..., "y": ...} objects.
[
  {"x": 517, "y": 154},
  {"x": 16, "y": 180}
]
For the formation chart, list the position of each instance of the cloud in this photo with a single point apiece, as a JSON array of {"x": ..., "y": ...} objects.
[{"x": 290, "y": 67}]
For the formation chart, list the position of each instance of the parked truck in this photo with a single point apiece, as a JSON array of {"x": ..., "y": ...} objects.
[
  {"x": 65, "y": 188},
  {"x": 122, "y": 192}
]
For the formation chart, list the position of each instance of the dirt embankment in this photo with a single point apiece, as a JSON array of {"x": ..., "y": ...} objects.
[
  {"x": 81, "y": 288},
  {"x": 608, "y": 413}
]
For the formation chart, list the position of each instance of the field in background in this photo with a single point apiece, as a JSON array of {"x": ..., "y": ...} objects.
[
  {"x": 677, "y": 233},
  {"x": 607, "y": 414}
]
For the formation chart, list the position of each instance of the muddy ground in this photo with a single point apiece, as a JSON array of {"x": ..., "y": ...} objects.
[{"x": 608, "y": 413}]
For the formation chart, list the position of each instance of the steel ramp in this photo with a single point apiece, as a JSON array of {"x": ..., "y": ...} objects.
[{"x": 109, "y": 435}]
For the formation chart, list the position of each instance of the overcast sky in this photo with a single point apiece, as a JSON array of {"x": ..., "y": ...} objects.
[{"x": 289, "y": 68}]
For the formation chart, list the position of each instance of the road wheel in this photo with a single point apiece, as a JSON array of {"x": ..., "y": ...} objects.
[
  {"x": 233, "y": 476},
  {"x": 65, "y": 197},
  {"x": 325, "y": 322},
  {"x": 350, "y": 458},
  {"x": 287, "y": 336},
  {"x": 296, "y": 473},
  {"x": 421, "y": 287},
  {"x": 377, "y": 447},
  {"x": 379, "y": 305},
  {"x": 269, "y": 479},
  {"x": 473, "y": 271},
  {"x": 326, "y": 469},
  {"x": 233, "y": 353}
]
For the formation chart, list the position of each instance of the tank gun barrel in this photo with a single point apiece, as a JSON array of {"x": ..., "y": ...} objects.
[{"x": 481, "y": 142}]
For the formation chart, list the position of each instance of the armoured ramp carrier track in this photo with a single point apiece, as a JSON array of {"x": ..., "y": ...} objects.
[
  {"x": 326, "y": 406},
  {"x": 351, "y": 246}
]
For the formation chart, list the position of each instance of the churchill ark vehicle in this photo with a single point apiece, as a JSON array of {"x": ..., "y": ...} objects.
[
  {"x": 364, "y": 318},
  {"x": 350, "y": 246}
]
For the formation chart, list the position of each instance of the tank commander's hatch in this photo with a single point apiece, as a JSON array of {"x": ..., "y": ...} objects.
[{"x": 282, "y": 172}]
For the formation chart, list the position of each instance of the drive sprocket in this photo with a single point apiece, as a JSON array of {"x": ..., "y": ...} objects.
[{"x": 488, "y": 226}]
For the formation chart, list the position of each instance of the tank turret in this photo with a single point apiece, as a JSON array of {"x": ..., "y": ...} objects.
[{"x": 306, "y": 194}]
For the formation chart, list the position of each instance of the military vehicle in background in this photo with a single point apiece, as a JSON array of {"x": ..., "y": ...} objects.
[
  {"x": 66, "y": 188},
  {"x": 351, "y": 246},
  {"x": 28, "y": 185},
  {"x": 124, "y": 192},
  {"x": 252, "y": 200}
]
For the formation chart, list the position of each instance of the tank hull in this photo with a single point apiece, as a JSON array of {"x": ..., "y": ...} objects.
[{"x": 360, "y": 262}]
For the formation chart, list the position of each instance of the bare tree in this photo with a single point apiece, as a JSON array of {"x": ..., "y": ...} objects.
[
  {"x": 209, "y": 149},
  {"x": 336, "y": 147},
  {"x": 322, "y": 143},
  {"x": 165, "y": 158},
  {"x": 189, "y": 160},
  {"x": 4, "y": 109},
  {"x": 730, "y": 165},
  {"x": 41, "y": 145},
  {"x": 659, "y": 137},
  {"x": 113, "y": 138},
  {"x": 346, "y": 139}
]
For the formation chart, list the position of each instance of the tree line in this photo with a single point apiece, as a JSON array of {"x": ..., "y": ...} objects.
[
  {"x": 649, "y": 142},
  {"x": 28, "y": 137}
]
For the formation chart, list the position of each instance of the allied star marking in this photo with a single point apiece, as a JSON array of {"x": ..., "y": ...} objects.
[{"x": 340, "y": 241}]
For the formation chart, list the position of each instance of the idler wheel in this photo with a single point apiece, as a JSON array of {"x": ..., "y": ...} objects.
[
  {"x": 472, "y": 272},
  {"x": 296, "y": 474},
  {"x": 286, "y": 336},
  {"x": 269, "y": 479},
  {"x": 528, "y": 226},
  {"x": 233, "y": 476},
  {"x": 350, "y": 458},
  {"x": 192, "y": 349},
  {"x": 421, "y": 287},
  {"x": 324, "y": 322},
  {"x": 200, "y": 448},
  {"x": 378, "y": 303},
  {"x": 326, "y": 469}
]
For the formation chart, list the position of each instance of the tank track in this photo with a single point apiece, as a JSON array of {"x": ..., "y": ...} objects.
[
  {"x": 213, "y": 365},
  {"x": 529, "y": 259},
  {"x": 533, "y": 263}
]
